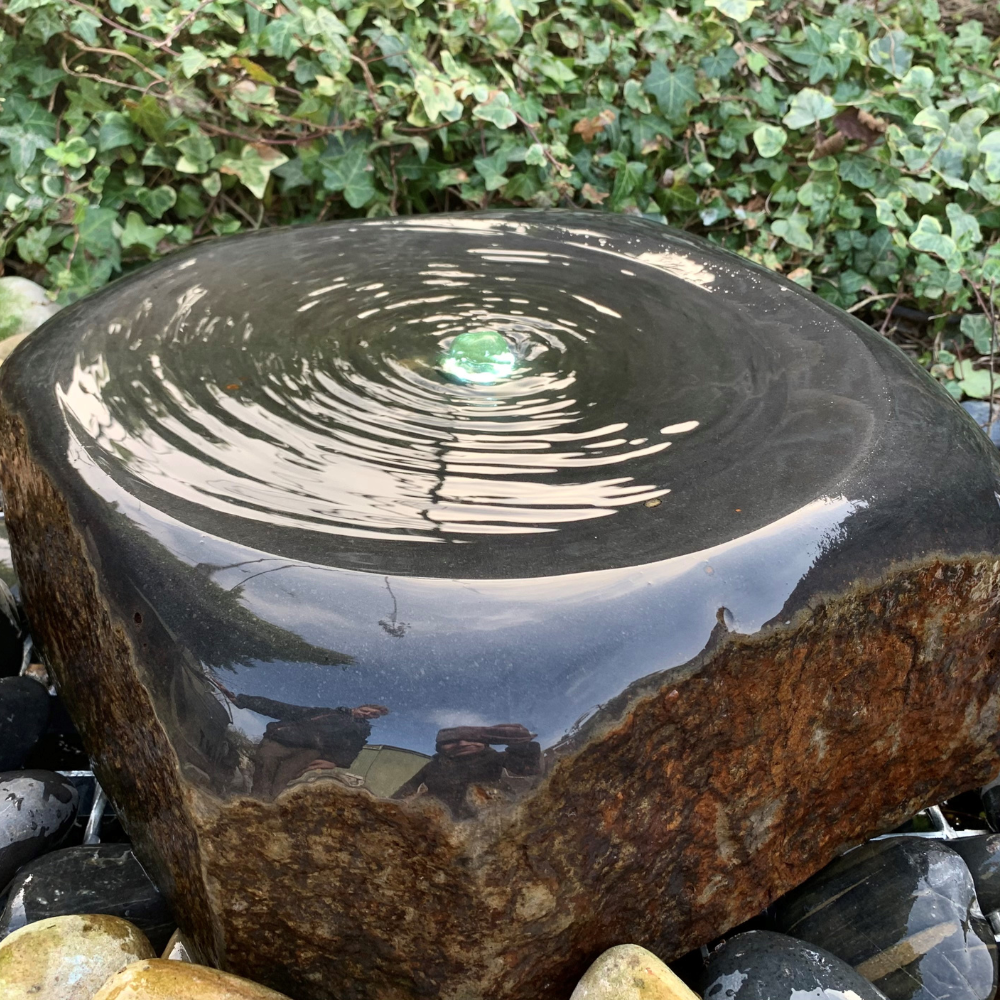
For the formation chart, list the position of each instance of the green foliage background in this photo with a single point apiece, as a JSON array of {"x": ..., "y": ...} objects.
[{"x": 853, "y": 149}]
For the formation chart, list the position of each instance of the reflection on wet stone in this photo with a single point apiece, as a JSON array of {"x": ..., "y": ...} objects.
[
  {"x": 903, "y": 911},
  {"x": 982, "y": 856},
  {"x": 762, "y": 965},
  {"x": 103, "y": 879},
  {"x": 487, "y": 579},
  {"x": 37, "y": 808}
]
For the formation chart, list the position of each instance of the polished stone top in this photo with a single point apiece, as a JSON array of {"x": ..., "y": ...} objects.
[{"x": 321, "y": 540}]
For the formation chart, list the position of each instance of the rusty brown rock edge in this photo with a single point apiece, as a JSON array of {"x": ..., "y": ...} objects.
[{"x": 716, "y": 787}]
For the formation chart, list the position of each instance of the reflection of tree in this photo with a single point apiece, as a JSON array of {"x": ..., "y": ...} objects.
[
  {"x": 210, "y": 621},
  {"x": 389, "y": 625},
  {"x": 184, "y": 626}
]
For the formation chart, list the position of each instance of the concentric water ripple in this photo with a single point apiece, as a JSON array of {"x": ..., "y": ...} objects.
[
  {"x": 304, "y": 389},
  {"x": 341, "y": 418}
]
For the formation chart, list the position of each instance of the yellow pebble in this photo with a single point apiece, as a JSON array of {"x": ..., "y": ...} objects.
[
  {"x": 67, "y": 958},
  {"x": 628, "y": 972},
  {"x": 161, "y": 979}
]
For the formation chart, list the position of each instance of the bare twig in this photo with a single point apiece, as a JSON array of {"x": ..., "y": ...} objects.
[
  {"x": 177, "y": 29},
  {"x": 545, "y": 149},
  {"x": 981, "y": 72},
  {"x": 236, "y": 208},
  {"x": 103, "y": 79},
  {"x": 870, "y": 299},
  {"x": 122, "y": 55},
  {"x": 888, "y": 312},
  {"x": 118, "y": 26},
  {"x": 318, "y": 132}
]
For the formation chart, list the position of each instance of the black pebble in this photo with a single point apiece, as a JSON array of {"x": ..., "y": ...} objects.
[
  {"x": 903, "y": 911},
  {"x": 990, "y": 795},
  {"x": 24, "y": 714},
  {"x": 762, "y": 965},
  {"x": 106, "y": 878},
  {"x": 982, "y": 855},
  {"x": 37, "y": 808}
]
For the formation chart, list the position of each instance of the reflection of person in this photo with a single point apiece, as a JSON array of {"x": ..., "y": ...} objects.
[
  {"x": 304, "y": 739},
  {"x": 465, "y": 757}
]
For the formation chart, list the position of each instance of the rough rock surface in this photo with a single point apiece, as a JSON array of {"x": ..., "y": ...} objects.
[
  {"x": 67, "y": 958},
  {"x": 702, "y": 701}
]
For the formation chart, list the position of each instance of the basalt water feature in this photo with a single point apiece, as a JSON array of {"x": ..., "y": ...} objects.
[{"x": 445, "y": 600}]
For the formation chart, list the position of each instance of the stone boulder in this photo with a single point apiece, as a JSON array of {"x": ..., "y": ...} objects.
[{"x": 411, "y": 684}]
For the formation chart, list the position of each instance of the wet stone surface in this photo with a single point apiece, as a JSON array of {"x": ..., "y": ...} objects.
[
  {"x": 903, "y": 911},
  {"x": 684, "y": 572},
  {"x": 762, "y": 965},
  {"x": 105, "y": 878},
  {"x": 37, "y": 808},
  {"x": 982, "y": 856}
]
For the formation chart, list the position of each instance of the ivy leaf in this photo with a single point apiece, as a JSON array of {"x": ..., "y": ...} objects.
[
  {"x": 738, "y": 10},
  {"x": 137, "y": 233},
  {"x": 920, "y": 190},
  {"x": 31, "y": 114},
  {"x": 22, "y": 144},
  {"x": 116, "y": 130},
  {"x": 857, "y": 170},
  {"x": 496, "y": 110},
  {"x": 807, "y": 107},
  {"x": 627, "y": 181},
  {"x": 95, "y": 228},
  {"x": 150, "y": 117},
  {"x": 253, "y": 166},
  {"x": 192, "y": 61},
  {"x": 974, "y": 382},
  {"x": 794, "y": 231},
  {"x": 438, "y": 98},
  {"x": 891, "y": 53},
  {"x": 158, "y": 200},
  {"x": 989, "y": 146},
  {"x": 73, "y": 152},
  {"x": 719, "y": 63},
  {"x": 33, "y": 246},
  {"x": 196, "y": 151},
  {"x": 964, "y": 227},
  {"x": 85, "y": 26},
  {"x": 929, "y": 237},
  {"x": 635, "y": 98},
  {"x": 280, "y": 36},
  {"x": 977, "y": 328},
  {"x": 350, "y": 173},
  {"x": 491, "y": 169},
  {"x": 769, "y": 140},
  {"x": 932, "y": 118},
  {"x": 674, "y": 91}
]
